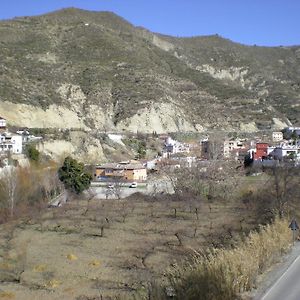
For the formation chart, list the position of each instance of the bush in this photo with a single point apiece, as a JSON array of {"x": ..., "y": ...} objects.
[
  {"x": 32, "y": 153},
  {"x": 73, "y": 176},
  {"x": 224, "y": 274}
]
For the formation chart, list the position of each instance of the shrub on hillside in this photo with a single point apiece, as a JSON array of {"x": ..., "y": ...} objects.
[
  {"x": 72, "y": 174},
  {"x": 223, "y": 274},
  {"x": 32, "y": 153}
]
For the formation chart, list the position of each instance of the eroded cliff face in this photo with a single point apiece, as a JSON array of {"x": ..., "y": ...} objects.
[
  {"x": 81, "y": 146},
  {"x": 96, "y": 72},
  {"x": 30, "y": 116}
]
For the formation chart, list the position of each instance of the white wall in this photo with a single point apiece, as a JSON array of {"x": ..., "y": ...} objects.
[
  {"x": 17, "y": 141},
  {"x": 2, "y": 123}
]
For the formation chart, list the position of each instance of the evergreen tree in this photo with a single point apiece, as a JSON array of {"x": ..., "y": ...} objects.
[
  {"x": 72, "y": 174},
  {"x": 32, "y": 153}
]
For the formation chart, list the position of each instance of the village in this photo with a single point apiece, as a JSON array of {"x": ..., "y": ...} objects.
[
  {"x": 282, "y": 147},
  {"x": 273, "y": 149}
]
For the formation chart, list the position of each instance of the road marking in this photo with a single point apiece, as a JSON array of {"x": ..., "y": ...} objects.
[{"x": 277, "y": 281}]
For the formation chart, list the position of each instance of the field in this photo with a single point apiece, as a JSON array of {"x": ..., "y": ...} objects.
[{"x": 110, "y": 248}]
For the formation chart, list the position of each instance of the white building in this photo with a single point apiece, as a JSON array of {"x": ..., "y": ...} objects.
[
  {"x": 2, "y": 123},
  {"x": 173, "y": 147},
  {"x": 277, "y": 136},
  {"x": 12, "y": 143},
  {"x": 230, "y": 145},
  {"x": 151, "y": 164},
  {"x": 293, "y": 129},
  {"x": 286, "y": 151}
]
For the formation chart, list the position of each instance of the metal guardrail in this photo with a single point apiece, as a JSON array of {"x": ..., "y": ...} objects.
[{"x": 58, "y": 200}]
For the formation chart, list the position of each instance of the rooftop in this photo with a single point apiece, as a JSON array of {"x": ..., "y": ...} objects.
[{"x": 121, "y": 166}]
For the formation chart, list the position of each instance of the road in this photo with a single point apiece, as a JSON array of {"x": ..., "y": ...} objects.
[
  {"x": 287, "y": 279},
  {"x": 151, "y": 188}
]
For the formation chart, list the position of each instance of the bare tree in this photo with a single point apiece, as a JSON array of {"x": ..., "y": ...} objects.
[
  {"x": 217, "y": 179},
  {"x": 50, "y": 183},
  {"x": 9, "y": 184},
  {"x": 278, "y": 194},
  {"x": 118, "y": 185}
]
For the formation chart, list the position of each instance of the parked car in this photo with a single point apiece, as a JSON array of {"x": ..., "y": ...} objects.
[
  {"x": 133, "y": 185},
  {"x": 110, "y": 186}
]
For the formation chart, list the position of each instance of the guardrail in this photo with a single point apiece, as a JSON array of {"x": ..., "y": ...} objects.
[{"x": 58, "y": 200}]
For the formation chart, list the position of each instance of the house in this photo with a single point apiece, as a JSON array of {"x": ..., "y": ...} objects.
[
  {"x": 27, "y": 137},
  {"x": 123, "y": 171},
  {"x": 261, "y": 151},
  {"x": 173, "y": 147},
  {"x": 2, "y": 123},
  {"x": 293, "y": 129},
  {"x": 233, "y": 144},
  {"x": 151, "y": 164},
  {"x": 12, "y": 143},
  {"x": 277, "y": 136},
  {"x": 25, "y": 134},
  {"x": 285, "y": 151}
]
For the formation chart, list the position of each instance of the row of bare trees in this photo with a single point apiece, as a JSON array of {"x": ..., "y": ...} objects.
[
  {"x": 26, "y": 189},
  {"x": 214, "y": 180},
  {"x": 276, "y": 193}
]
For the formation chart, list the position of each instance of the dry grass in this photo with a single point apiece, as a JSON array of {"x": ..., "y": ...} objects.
[
  {"x": 224, "y": 274},
  {"x": 141, "y": 238}
]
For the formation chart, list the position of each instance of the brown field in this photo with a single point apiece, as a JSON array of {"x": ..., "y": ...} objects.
[{"x": 109, "y": 248}]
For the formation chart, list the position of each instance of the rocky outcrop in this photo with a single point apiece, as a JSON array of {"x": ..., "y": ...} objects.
[{"x": 96, "y": 72}]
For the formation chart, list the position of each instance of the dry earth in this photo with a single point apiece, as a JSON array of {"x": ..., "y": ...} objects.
[{"x": 64, "y": 253}]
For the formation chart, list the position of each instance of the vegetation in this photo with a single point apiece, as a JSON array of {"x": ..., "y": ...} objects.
[
  {"x": 32, "y": 153},
  {"x": 226, "y": 272},
  {"x": 222, "y": 274},
  {"x": 278, "y": 194},
  {"x": 27, "y": 190},
  {"x": 198, "y": 242},
  {"x": 137, "y": 73},
  {"x": 73, "y": 176},
  {"x": 138, "y": 145}
]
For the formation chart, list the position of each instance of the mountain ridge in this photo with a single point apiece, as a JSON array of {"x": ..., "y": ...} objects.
[{"x": 103, "y": 73}]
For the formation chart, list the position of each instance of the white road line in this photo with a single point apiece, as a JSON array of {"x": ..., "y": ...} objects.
[{"x": 277, "y": 281}]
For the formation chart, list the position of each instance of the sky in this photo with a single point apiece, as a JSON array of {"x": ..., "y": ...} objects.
[{"x": 259, "y": 22}]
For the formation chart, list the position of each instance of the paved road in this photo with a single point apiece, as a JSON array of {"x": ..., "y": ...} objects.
[
  {"x": 151, "y": 188},
  {"x": 287, "y": 285}
]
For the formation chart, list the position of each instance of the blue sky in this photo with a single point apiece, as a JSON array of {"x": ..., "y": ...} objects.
[{"x": 260, "y": 22}]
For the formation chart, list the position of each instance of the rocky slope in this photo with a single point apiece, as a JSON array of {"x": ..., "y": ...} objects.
[{"x": 95, "y": 71}]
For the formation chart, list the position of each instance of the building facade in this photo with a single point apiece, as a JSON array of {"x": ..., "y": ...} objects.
[
  {"x": 231, "y": 145},
  {"x": 286, "y": 151},
  {"x": 173, "y": 147},
  {"x": 121, "y": 171},
  {"x": 277, "y": 136},
  {"x": 2, "y": 123},
  {"x": 261, "y": 151},
  {"x": 12, "y": 143}
]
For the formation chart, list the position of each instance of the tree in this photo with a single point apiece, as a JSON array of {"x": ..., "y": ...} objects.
[
  {"x": 215, "y": 180},
  {"x": 32, "y": 153},
  {"x": 294, "y": 136},
  {"x": 141, "y": 149},
  {"x": 215, "y": 147},
  {"x": 9, "y": 184},
  {"x": 72, "y": 174},
  {"x": 278, "y": 194}
]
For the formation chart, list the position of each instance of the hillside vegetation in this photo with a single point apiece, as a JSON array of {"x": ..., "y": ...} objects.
[
  {"x": 94, "y": 70},
  {"x": 197, "y": 246}
]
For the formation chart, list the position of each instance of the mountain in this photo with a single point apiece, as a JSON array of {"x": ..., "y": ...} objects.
[{"x": 95, "y": 71}]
